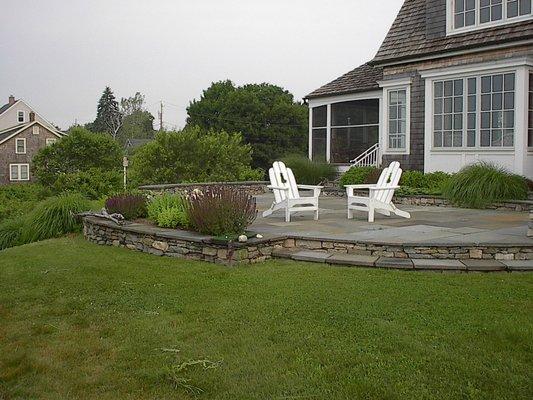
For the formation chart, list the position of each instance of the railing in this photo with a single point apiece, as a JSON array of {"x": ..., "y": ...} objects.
[{"x": 370, "y": 158}]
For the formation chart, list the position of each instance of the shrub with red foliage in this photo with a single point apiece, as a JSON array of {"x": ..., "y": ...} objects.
[
  {"x": 221, "y": 210},
  {"x": 131, "y": 206}
]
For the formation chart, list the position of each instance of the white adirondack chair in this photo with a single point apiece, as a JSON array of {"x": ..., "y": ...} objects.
[
  {"x": 287, "y": 195},
  {"x": 380, "y": 195}
]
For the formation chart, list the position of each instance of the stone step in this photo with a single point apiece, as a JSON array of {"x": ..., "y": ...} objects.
[{"x": 357, "y": 260}]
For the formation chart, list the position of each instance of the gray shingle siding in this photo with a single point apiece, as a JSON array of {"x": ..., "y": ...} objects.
[{"x": 435, "y": 19}]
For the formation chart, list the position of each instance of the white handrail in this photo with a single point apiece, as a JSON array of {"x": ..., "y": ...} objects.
[{"x": 369, "y": 158}]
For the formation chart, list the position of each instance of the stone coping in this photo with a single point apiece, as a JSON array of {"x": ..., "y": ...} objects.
[
  {"x": 202, "y": 184},
  {"x": 191, "y": 245},
  {"x": 405, "y": 263}
]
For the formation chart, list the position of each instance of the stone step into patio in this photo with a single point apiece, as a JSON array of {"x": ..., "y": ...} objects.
[{"x": 356, "y": 260}]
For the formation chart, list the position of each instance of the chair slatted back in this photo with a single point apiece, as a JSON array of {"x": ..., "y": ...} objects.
[
  {"x": 389, "y": 177},
  {"x": 279, "y": 195},
  {"x": 286, "y": 178}
]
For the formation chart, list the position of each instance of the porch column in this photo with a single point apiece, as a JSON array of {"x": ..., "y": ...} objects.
[
  {"x": 310, "y": 147},
  {"x": 521, "y": 119},
  {"x": 328, "y": 133}
]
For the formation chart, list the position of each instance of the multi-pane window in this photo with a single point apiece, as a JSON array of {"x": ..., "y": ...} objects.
[
  {"x": 50, "y": 141},
  {"x": 397, "y": 119},
  {"x": 464, "y": 13},
  {"x": 448, "y": 113},
  {"x": 20, "y": 116},
  {"x": 19, "y": 172},
  {"x": 35, "y": 129},
  {"x": 319, "y": 133},
  {"x": 20, "y": 146},
  {"x": 497, "y": 110},
  {"x": 517, "y": 8},
  {"x": 476, "y": 13},
  {"x": 530, "y": 112},
  {"x": 354, "y": 128},
  {"x": 474, "y": 111},
  {"x": 490, "y": 10}
]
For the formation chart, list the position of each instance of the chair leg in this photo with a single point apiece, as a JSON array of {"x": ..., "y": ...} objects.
[
  {"x": 287, "y": 215},
  {"x": 316, "y": 214},
  {"x": 350, "y": 213},
  {"x": 370, "y": 214}
]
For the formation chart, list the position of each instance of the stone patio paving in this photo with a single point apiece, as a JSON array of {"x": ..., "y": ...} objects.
[{"x": 428, "y": 225}]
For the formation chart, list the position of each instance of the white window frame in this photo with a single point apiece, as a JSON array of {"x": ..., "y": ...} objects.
[
  {"x": 388, "y": 86},
  {"x": 50, "y": 141},
  {"x": 35, "y": 130},
  {"x": 529, "y": 76},
  {"x": 19, "y": 112},
  {"x": 450, "y": 18},
  {"x": 19, "y": 172},
  {"x": 17, "y": 140},
  {"x": 429, "y": 112}
]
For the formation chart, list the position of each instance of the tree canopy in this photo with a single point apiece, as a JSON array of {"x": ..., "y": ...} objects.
[
  {"x": 266, "y": 115},
  {"x": 193, "y": 155}
]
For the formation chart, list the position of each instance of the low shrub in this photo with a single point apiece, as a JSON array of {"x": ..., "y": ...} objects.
[
  {"x": 169, "y": 211},
  {"x": 54, "y": 217},
  {"x": 11, "y": 232},
  {"x": 481, "y": 184},
  {"x": 221, "y": 210},
  {"x": 131, "y": 206},
  {"x": 93, "y": 184},
  {"x": 359, "y": 176},
  {"x": 309, "y": 172},
  {"x": 416, "y": 182},
  {"x": 17, "y": 198}
]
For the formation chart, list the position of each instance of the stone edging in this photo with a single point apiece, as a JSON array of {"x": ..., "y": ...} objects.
[
  {"x": 189, "y": 245},
  {"x": 427, "y": 200},
  {"x": 251, "y": 187}
]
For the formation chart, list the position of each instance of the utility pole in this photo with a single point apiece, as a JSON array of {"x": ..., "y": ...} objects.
[{"x": 161, "y": 116}]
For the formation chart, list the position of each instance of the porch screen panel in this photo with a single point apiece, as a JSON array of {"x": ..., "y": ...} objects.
[
  {"x": 319, "y": 132},
  {"x": 354, "y": 128}
]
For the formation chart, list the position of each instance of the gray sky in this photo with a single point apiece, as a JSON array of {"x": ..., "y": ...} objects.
[{"x": 60, "y": 54}]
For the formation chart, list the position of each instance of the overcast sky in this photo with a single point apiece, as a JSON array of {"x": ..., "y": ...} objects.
[{"x": 60, "y": 54}]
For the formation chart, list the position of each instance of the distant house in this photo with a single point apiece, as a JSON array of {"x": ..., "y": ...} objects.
[
  {"x": 22, "y": 133},
  {"x": 451, "y": 84},
  {"x": 132, "y": 144}
]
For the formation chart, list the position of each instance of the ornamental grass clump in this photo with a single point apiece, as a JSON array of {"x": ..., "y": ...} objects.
[
  {"x": 221, "y": 210},
  {"x": 11, "y": 232},
  {"x": 482, "y": 184},
  {"x": 131, "y": 206},
  {"x": 54, "y": 217},
  {"x": 307, "y": 172}
]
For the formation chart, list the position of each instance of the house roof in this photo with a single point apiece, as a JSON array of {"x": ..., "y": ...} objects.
[
  {"x": 419, "y": 30},
  {"x": 5, "y": 134},
  {"x": 361, "y": 79},
  {"x": 5, "y": 107}
]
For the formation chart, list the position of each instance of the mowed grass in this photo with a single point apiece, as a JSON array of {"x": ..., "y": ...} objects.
[{"x": 80, "y": 321}]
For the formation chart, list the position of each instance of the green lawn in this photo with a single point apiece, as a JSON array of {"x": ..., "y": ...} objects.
[{"x": 79, "y": 321}]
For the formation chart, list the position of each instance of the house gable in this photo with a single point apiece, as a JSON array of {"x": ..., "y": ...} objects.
[{"x": 9, "y": 115}]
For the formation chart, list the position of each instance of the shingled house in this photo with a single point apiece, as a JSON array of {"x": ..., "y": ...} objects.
[
  {"x": 22, "y": 133},
  {"x": 451, "y": 84}
]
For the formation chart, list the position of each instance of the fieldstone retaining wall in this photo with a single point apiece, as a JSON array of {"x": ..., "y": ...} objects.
[
  {"x": 176, "y": 243},
  {"x": 193, "y": 246},
  {"x": 414, "y": 251},
  {"x": 252, "y": 187}
]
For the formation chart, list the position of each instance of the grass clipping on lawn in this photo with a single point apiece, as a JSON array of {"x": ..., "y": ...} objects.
[{"x": 482, "y": 184}]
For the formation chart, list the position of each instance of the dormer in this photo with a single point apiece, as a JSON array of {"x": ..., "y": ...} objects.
[{"x": 472, "y": 15}]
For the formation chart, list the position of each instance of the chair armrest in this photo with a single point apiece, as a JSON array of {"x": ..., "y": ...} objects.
[
  {"x": 309, "y": 187},
  {"x": 360, "y": 186},
  {"x": 385, "y": 188},
  {"x": 277, "y": 187},
  {"x": 316, "y": 189}
]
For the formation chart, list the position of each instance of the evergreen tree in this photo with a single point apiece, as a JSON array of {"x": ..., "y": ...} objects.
[{"x": 108, "y": 115}]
